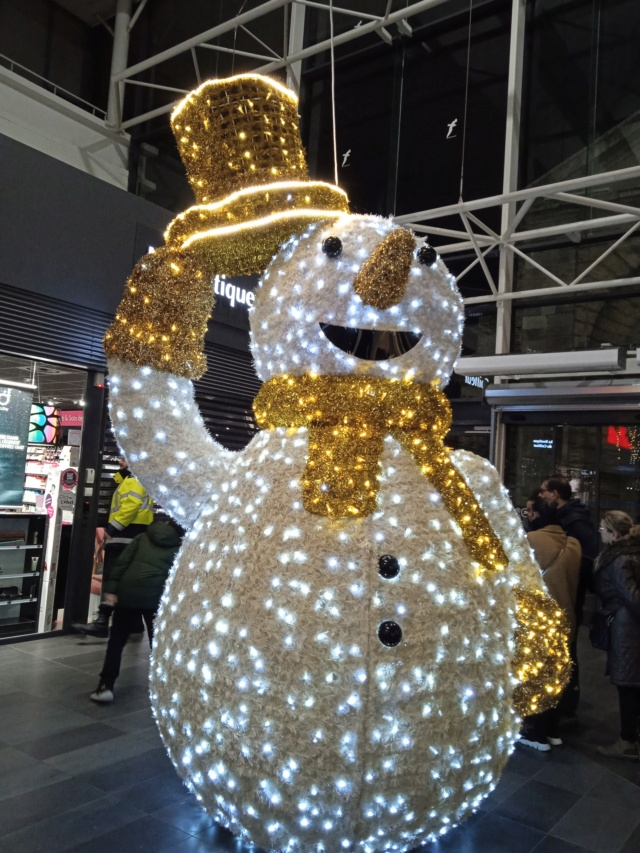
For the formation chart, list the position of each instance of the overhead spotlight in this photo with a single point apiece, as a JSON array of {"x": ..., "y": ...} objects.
[
  {"x": 385, "y": 35},
  {"x": 404, "y": 28}
]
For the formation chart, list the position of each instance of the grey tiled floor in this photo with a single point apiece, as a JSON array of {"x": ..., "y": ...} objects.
[{"x": 80, "y": 777}]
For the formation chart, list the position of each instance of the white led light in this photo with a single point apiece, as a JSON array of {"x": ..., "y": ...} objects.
[{"x": 277, "y": 701}]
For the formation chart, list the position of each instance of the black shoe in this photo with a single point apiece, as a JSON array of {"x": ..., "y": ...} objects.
[{"x": 99, "y": 627}]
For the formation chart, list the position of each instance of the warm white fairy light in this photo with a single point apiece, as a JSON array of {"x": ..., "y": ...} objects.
[{"x": 276, "y": 699}]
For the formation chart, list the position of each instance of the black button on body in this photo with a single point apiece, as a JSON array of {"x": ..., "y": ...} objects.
[
  {"x": 332, "y": 247},
  {"x": 388, "y": 566},
  {"x": 389, "y": 633}
]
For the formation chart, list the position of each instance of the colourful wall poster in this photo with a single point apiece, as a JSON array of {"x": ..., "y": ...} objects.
[
  {"x": 45, "y": 424},
  {"x": 15, "y": 411}
]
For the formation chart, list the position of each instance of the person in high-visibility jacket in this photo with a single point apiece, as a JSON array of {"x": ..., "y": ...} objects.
[
  {"x": 131, "y": 507},
  {"x": 130, "y": 514}
]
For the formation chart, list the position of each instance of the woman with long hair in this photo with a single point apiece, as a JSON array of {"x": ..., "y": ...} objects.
[{"x": 617, "y": 584}]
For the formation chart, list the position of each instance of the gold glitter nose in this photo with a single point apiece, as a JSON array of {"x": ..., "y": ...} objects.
[{"x": 382, "y": 279}]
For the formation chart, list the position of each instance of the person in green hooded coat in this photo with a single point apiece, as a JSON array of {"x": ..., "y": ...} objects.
[{"x": 134, "y": 589}]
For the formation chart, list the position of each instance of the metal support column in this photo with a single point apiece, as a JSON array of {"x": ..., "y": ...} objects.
[
  {"x": 296, "y": 43},
  {"x": 119, "y": 58},
  {"x": 509, "y": 184}
]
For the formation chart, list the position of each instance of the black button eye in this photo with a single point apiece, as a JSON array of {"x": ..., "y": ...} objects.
[
  {"x": 427, "y": 255},
  {"x": 389, "y": 633},
  {"x": 332, "y": 246},
  {"x": 388, "y": 566}
]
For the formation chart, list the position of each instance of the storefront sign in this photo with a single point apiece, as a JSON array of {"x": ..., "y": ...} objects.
[
  {"x": 233, "y": 293},
  {"x": 543, "y": 443},
  {"x": 475, "y": 381},
  {"x": 71, "y": 418},
  {"x": 15, "y": 411}
]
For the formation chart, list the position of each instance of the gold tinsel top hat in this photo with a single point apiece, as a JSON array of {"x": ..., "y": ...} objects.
[{"x": 240, "y": 142}]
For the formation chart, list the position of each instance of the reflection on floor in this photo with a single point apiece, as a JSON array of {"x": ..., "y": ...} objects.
[{"x": 81, "y": 777}]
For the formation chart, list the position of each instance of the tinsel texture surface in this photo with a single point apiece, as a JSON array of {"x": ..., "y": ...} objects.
[
  {"x": 348, "y": 418},
  {"x": 327, "y": 679},
  {"x": 381, "y": 280},
  {"x": 162, "y": 319},
  {"x": 240, "y": 143},
  {"x": 542, "y": 663}
]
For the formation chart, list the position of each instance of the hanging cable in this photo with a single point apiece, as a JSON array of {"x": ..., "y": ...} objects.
[
  {"x": 333, "y": 95},
  {"x": 466, "y": 99},
  {"x": 235, "y": 36}
]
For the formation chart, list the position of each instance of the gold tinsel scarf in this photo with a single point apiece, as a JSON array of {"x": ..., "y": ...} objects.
[{"x": 348, "y": 419}]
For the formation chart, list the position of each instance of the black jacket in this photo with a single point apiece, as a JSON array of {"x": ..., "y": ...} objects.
[
  {"x": 617, "y": 583},
  {"x": 573, "y": 517}
]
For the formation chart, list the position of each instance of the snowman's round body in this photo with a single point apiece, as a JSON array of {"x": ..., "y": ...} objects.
[
  {"x": 276, "y": 696},
  {"x": 323, "y": 682}
]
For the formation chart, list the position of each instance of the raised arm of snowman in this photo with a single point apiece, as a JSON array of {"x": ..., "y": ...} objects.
[
  {"x": 364, "y": 600},
  {"x": 240, "y": 143}
]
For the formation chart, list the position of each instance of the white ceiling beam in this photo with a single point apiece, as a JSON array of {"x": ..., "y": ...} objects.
[
  {"x": 544, "y": 292},
  {"x": 632, "y": 173},
  {"x": 374, "y": 25},
  {"x": 205, "y": 36}
]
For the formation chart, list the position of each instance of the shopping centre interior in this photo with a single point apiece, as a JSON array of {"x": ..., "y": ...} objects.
[{"x": 503, "y": 134}]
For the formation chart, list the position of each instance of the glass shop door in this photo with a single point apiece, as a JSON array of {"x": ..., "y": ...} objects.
[{"x": 600, "y": 460}]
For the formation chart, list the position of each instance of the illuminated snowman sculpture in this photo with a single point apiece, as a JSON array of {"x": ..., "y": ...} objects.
[{"x": 354, "y": 621}]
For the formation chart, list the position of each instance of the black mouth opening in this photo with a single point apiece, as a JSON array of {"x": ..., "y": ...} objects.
[{"x": 370, "y": 344}]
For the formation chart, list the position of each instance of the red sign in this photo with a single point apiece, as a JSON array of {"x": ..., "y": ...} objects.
[
  {"x": 69, "y": 478},
  {"x": 71, "y": 418},
  {"x": 619, "y": 437}
]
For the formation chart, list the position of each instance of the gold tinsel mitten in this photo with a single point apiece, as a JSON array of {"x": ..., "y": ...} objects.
[
  {"x": 541, "y": 662},
  {"x": 162, "y": 319}
]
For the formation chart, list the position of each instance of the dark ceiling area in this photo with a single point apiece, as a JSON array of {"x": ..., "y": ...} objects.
[{"x": 56, "y": 385}]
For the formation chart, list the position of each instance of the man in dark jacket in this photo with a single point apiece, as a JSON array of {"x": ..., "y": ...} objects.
[
  {"x": 573, "y": 516},
  {"x": 134, "y": 590}
]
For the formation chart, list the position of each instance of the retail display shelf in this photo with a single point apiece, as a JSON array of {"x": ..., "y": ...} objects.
[
  {"x": 9, "y": 601},
  {"x": 20, "y": 513},
  {"x": 24, "y": 575},
  {"x": 18, "y": 624},
  {"x": 20, "y": 547}
]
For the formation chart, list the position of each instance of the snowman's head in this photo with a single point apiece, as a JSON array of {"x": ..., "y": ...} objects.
[{"x": 357, "y": 295}]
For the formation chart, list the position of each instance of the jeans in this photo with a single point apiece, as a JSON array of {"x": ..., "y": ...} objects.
[
  {"x": 126, "y": 621},
  {"x": 629, "y": 698}
]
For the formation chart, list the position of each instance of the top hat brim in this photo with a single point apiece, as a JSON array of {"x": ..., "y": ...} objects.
[{"x": 240, "y": 234}]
